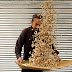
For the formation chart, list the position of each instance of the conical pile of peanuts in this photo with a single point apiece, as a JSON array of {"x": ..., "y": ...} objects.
[{"x": 42, "y": 54}]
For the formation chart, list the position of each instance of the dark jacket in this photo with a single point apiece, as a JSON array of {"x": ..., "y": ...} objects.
[{"x": 25, "y": 39}]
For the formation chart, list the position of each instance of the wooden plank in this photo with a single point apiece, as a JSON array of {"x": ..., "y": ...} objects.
[
  {"x": 14, "y": 59},
  {"x": 61, "y": 54},
  {"x": 60, "y": 29},
  {"x": 28, "y": 21},
  {"x": 62, "y": 38},
  {"x": 18, "y": 36},
  {"x": 13, "y": 32},
  {"x": 63, "y": 48},
  {"x": 65, "y": 55},
  {"x": 58, "y": 40},
  {"x": 10, "y": 70},
  {"x": 5, "y": 60},
  {"x": 29, "y": 24},
  {"x": 70, "y": 45},
  {"x": 13, "y": 52},
  {"x": 12, "y": 42},
  {"x": 59, "y": 33},
  {"x": 24, "y": 16},
  {"x": 32, "y": 11},
  {"x": 33, "y": 4}
]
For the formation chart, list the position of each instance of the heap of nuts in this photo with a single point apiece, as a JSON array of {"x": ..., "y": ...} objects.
[{"x": 42, "y": 54}]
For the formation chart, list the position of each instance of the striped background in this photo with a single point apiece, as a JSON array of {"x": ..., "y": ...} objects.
[{"x": 16, "y": 16}]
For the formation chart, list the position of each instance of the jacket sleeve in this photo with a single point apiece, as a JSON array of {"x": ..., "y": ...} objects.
[
  {"x": 55, "y": 50},
  {"x": 19, "y": 43}
]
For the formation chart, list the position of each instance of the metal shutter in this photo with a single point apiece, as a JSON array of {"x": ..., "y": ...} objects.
[{"x": 16, "y": 15}]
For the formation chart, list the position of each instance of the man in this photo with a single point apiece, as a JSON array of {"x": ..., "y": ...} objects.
[{"x": 26, "y": 39}]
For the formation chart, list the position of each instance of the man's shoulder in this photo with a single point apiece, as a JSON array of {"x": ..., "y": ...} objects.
[{"x": 26, "y": 29}]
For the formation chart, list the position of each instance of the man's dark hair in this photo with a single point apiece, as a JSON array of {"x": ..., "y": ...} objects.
[{"x": 36, "y": 16}]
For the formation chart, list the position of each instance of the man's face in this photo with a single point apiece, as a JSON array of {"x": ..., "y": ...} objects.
[{"x": 36, "y": 23}]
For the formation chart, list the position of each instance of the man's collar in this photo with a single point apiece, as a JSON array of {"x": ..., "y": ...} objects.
[{"x": 31, "y": 28}]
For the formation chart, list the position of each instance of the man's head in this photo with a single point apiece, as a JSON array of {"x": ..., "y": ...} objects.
[{"x": 36, "y": 21}]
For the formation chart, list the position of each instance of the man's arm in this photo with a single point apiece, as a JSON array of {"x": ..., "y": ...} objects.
[
  {"x": 19, "y": 43},
  {"x": 55, "y": 50}
]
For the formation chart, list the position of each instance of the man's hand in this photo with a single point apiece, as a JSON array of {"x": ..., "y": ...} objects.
[
  {"x": 19, "y": 61},
  {"x": 58, "y": 59}
]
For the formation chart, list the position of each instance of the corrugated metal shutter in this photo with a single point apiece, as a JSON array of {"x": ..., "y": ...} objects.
[{"x": 16, "y": 15}]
